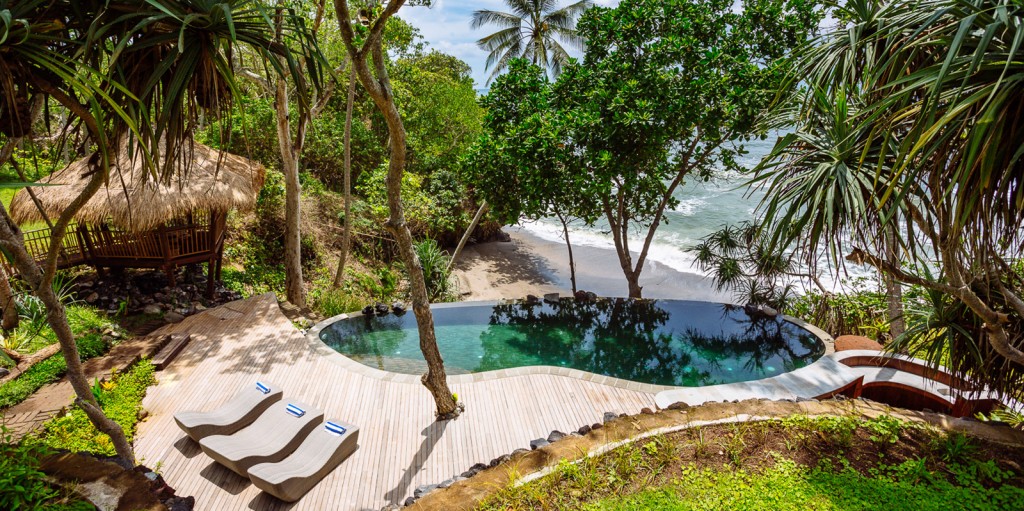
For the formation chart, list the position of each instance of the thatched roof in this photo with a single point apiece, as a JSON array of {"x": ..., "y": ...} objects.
[{"x": 216, "y": 181}]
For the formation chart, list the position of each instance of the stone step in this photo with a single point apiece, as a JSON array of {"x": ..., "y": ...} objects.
[{"x": 170, "y": 350}]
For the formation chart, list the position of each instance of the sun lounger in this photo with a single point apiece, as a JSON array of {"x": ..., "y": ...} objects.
[
  {"x": 324, "y": 449},
  {"x": 234, "y": 415},
  {"x": 271, "y": 438}
]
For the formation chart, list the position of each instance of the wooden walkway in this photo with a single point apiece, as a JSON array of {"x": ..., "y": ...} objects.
[{"x": 401, "y": 446}]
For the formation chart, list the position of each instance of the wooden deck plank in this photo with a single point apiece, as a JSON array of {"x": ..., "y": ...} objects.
[{"x": 401, "y": 446}]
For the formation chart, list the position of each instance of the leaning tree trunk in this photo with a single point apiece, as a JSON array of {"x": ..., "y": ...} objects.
[
  {"x": 9, "y": 319},
  {"x": 465, "y": 236},
  {"x": 56, "y": 317},
  {"x": 435, "y": 380},
  {"x": 346, "y": 235},
  {"x": 295, "y": 290}
]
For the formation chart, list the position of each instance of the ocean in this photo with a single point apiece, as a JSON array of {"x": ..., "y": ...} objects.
[{"x": 704, "y": 207}]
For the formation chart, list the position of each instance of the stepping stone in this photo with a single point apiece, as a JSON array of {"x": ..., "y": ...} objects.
[{"x": 171, "y": 350}]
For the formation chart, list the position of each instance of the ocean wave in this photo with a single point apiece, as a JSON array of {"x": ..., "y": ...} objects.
[{"x": 666, "y": 248}]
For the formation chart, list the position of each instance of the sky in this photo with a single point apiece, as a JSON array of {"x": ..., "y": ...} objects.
[{"x": 445, "y": 27}]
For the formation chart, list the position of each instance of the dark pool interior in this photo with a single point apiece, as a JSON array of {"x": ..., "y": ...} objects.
[{"x": 664, "y": 342}]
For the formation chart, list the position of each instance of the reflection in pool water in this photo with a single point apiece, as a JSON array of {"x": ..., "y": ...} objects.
[{"x": 664, "y": 342}]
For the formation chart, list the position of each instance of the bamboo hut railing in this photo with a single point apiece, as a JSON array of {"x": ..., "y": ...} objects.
[{"x": 37, "y": 242}]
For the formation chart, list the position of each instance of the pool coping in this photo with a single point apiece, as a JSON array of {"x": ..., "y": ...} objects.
[{"x": 319, "y": 347}]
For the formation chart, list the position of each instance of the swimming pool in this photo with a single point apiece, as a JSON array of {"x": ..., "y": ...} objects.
[{"x": 661, "y": 342}]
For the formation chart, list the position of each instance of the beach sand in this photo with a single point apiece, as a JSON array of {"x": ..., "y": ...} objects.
[{"x": 532, "y": 265}]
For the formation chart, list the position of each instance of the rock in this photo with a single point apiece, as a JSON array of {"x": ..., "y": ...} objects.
[
  {"x": 499, "y": 460},
  {"x": 555, "y": 436},
  {"x": 381, "y": 309},
  {"x": 609, "y": 416},
  {"x": 92, "y": 298},
  {"x": 368, "y": 310},
  {"x": 448, "y": 482},
  {"x": 390, "y": 507},
  {"x": 519, "y": 451},
  {"x": 199, "y": 307},
  {"x": 583, "y": 430},
  {"x": 174, "y": 317},
  {"x": 503, "y": 237},
  {"x": 423, "y": 490},
  {"x": 551, "y": 297},
  {"x": 768, "y": 311},
  {"x": 678, "y": 406},
  {"x": 409, "y": 501},
  {"x": 158, "y": 296},
  {"x": 532, "y": 300},
  {"x": 646, "y": 411},
  {"x": 398, "y": 308},
  {"x": 85, "y": 285},
  {"x": 151, "y": 309},
  {"x": 538, "y": 443},
  {"x": 596, "y": 425},
  {"x": 4, "y": 372},
  {"x": 180, "y": 503}
]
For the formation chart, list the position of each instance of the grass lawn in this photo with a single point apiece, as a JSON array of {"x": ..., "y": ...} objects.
[{"x": 828, "y": 463}]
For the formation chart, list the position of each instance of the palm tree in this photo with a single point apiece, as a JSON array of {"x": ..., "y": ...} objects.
[
  {"x": 531, "y": 31},
  {"x": 133, "y": 74}
]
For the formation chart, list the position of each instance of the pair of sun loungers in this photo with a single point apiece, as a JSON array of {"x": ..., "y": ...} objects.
[{"x": 281, "y": 446}]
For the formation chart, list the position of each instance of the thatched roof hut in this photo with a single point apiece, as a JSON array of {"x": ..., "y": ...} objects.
[{"x": 216, "y": 182}]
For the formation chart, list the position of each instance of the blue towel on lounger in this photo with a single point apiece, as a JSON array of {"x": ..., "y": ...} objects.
[
  {"x": 337, "y": 429},
  {"x": 295, "y": 410},
  {"x": 262, "y": 388}
]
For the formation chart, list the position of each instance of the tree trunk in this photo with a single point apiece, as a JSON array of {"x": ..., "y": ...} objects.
[
  {"x": 894, "y": 290},
  {"x": 346, "y": 236},
  {"x": 568, "y": 247},
  {"x": 9, "y": 319},
  {"x": 635, "y": 289},
  {"x": 435, "y": 380},
  {"x": 378, "y": 86},
  {"x": 56, "y": 317},
  {"x": 295, "y": 290},
  {"x": 465, "y": 236}
]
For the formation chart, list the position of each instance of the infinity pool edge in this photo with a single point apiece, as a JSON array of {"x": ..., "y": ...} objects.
[{"x": 321, "y": 348}]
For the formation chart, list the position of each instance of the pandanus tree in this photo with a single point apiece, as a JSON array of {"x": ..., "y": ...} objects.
[
  {"x": 934, "y": 170},
  {"x": 363, "y": 34},
  {"x": 533, "y": 30},
  {"x": 136, "y": 76}
]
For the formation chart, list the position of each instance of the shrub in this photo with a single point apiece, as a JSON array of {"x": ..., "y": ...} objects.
[
  {"x": 440, "y": 286},
  {"x": 23, "y": 485},
  {"x": 121, "y": 400},
  {"x": 48, "y": 371}
]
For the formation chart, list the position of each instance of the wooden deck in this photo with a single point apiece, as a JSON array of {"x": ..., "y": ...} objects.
[{"x": 401, "y": 446}]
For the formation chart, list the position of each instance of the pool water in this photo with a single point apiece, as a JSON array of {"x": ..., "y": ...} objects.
[{"x": 663, "y": 342}]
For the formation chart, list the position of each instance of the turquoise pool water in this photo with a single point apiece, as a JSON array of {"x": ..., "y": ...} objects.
[{"x": 664, "y": 342}]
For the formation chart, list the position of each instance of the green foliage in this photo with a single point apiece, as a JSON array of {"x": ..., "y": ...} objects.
[
  {"x": 49, "y": 370},
  {"x": 788, "y": 486},
  {"x": 440, "y": 285},
  {"x": 855, "y": 312},
  {"x": 331, "y": 302},
  {"x": 885, "y": 429},
  {"x": 121, "y": 400},
  {"x": 24, "y": 486}
]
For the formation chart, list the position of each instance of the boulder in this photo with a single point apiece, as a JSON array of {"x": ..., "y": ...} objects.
[
  {"x": 551, "y": 297},
  {"x": 173, "y": 317},
  {"x": 423, "y": 490},
  {"x": 555, "y": 436},
  {"x": 583, "y": 430},
  {"x": 152, "y": 309},
  {"x": 609, "y": 416},
  {"x": 538, "y": 443}
]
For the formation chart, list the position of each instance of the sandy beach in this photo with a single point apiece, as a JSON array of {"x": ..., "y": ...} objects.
[{"x": 529, "y": 264}]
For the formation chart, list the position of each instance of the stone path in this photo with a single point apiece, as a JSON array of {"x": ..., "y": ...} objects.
[{"x": 49, "y": 400}]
